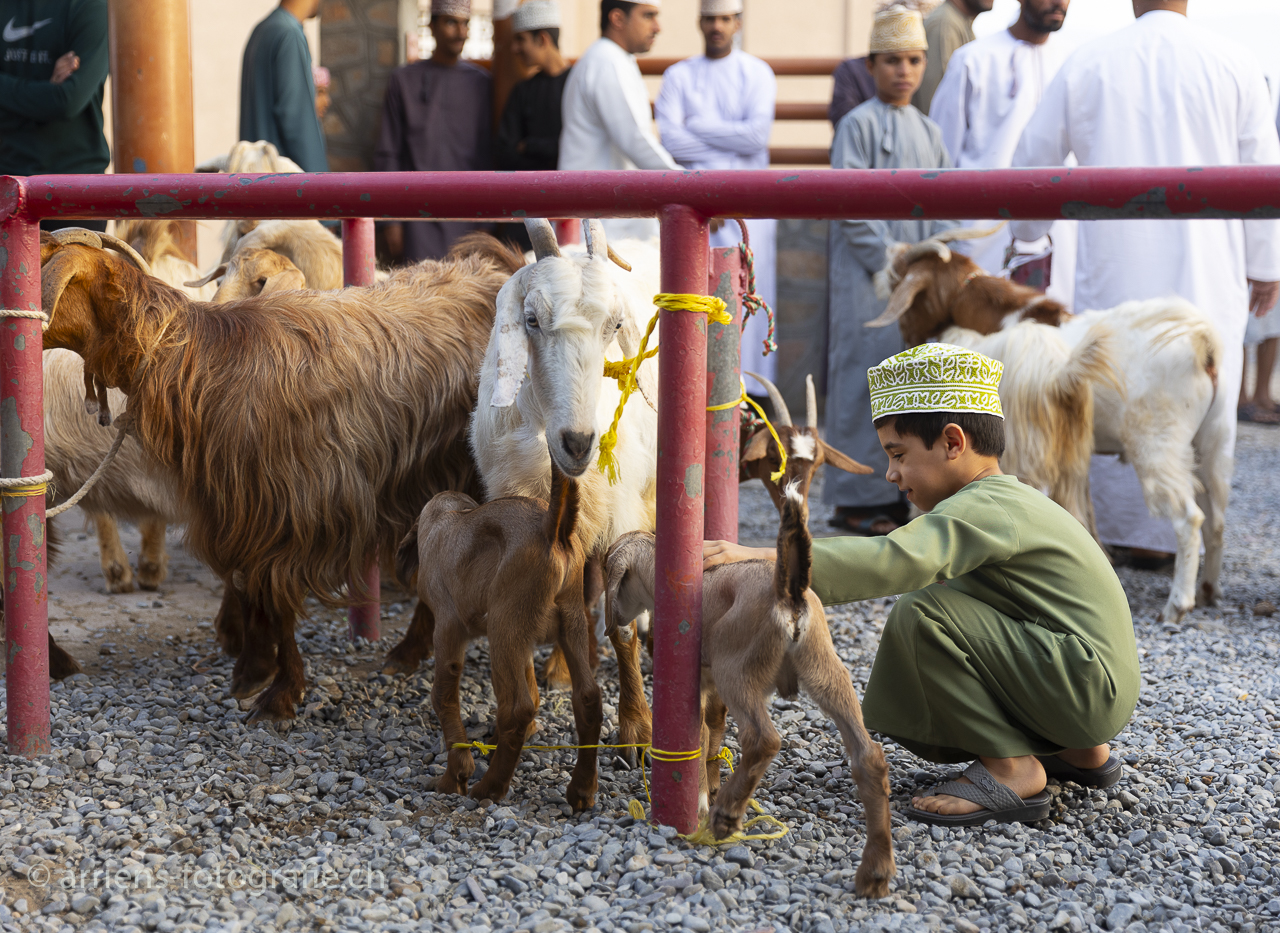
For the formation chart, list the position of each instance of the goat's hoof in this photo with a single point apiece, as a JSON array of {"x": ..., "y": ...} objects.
[
  {"x": 581, "y": 798},
  {"x": 399, "y": 664},
  {"x": 448, "y": 784},
  {"x": 873, "y": 877},
  {"x": 119, "y": 577},
  {"x": 1208, "y": 595},
  {"x": 487, "y": 790},
  {"x": 276, "y": 705},
  {"x": 244, "y": 686},
  {"x": 722, "y": 824},
  {"x": 151, "y": 575},
  {"x": 1172, "y": 614}
]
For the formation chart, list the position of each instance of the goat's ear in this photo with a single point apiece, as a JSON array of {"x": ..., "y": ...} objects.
[
  {"x": 916, "y": 281},
  {"x": 285, "y": 280},
  {"x": 513, "y": 341},
  {"x": 842, "y": 461},
  {"x": 218, "y": 272},
  {"x": 758, "y": 447},
  {"x": 56, "y": 275}
]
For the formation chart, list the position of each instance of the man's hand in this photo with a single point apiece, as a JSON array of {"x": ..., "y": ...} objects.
[
  {"x": 715, "y": 553},
  {"x": 715, "y": 224},
  {"x": 65, "y": 67},
  {"x": 1262, "y": 297},
  {"x": 394, "y": 235}
]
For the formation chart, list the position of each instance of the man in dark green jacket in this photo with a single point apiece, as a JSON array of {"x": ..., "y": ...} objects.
[
  {"x": 53, "y": 65},
  {"x": 277, "y": 91}
]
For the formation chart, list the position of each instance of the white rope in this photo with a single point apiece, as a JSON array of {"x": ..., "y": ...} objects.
[
  {"x": 31, "y": 315},
  {"x": 122, "y": 428}
]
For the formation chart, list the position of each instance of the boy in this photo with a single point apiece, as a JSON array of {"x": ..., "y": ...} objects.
[
  {"x": 1013, "y": 642},
  {"x": 886, "y": 132},
  {"x": 529, "y": 134}
]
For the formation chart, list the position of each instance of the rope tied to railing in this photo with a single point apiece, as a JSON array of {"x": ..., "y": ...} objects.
[
  {"x": 751, "y": 300},
  {"x": 625, "y": 370},
  {"x": 761, "y": 419}
]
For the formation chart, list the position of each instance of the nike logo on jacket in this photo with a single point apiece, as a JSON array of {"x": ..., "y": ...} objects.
[{"x": 17, "y": 33}]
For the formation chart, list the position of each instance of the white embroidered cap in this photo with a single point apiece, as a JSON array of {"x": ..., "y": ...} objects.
[
  {"x": 898, "y": 29},
  {"x": 536, "y": 14},
  {"x": 720, "y": 7},
  {"x": 458, "y": 8}
]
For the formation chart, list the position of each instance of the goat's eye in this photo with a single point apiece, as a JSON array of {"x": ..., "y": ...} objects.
[
  {"x": 531, "y": 322},
  {"x": 619, "y": 327}
]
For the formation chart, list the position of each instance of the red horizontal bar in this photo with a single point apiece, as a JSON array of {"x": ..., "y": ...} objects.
[{"x": 1248, "y": 192}]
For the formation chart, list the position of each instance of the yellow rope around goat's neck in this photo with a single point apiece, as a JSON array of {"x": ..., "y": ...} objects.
[
  {"x": 744, "y": 398},
  {"x": 625, "y": 370},
  {"x": 701, "y": 836}
]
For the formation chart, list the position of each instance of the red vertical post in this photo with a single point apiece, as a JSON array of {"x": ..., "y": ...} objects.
[
  {"x": 724, "y": 372},
  {"x": 26, "y": 584},
  {"x": 682, "y": 423},
  {"x": 363, "y": 618}
]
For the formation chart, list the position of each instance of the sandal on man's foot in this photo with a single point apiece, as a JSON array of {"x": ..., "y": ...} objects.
[
  {"x": 1000, "y": 803},
  {"x": 1105, "y": 776},
  {"x": 862, "y": 522},
  {"x": 1257, "y": 414}
]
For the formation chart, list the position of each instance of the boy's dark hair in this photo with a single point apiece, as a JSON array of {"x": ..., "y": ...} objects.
[
  {"x": 986, "y": 432},
  {"x": 552, "y": 34},
  {"x": 608, "y": 6}
]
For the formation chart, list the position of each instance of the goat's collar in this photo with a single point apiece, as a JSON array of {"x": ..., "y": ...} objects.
[{"x": 976, "y": 273}]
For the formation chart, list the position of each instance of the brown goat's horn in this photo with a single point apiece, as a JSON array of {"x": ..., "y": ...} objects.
[
  {"x": 969, "y": 233},
  {"x": 810, "y": 402},
  {"x": 781, "y": 413},
  {"x": 543, "y": 237},
  {"x": 120, "y": 246}
]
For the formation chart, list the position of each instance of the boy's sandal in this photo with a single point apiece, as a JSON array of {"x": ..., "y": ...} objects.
[
  {"x": 1105, "y": 776},
  {"x": 1000, "y": 802},
  {"x": 864, "y": 526}
]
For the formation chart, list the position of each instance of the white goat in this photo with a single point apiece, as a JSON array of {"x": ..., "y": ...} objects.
[
  {"x": 1171, "y": 423},
  {"x": 558, "y": 320},
  {"x": 1047, "y": 392}
]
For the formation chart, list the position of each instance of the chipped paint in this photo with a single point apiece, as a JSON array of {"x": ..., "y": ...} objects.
[
  {"x": 39, "y": 583},
  {"x": 20, "y": 342},
  {"x": 36, "y": 527},
  {"x": 158, "y": 204},
  {"x": 17, "y": 442},
  {"x": 684, "y": 626},
  {"x": 693, "y": 480},
  {"x": 4, "y": 258}
]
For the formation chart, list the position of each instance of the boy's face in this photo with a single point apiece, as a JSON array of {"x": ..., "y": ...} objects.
[
  {"x": 531, "y": 48},
  {"x": 926, "y": 475},
  {"x": 897, "y": 75}
]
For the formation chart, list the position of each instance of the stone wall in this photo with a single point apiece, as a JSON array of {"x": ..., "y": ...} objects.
[
  {"x": 802, "y": 309},
  {"x": 360, "y": 45}
]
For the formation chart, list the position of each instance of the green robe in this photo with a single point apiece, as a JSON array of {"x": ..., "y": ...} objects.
[{"x": 1014, "y": 636}]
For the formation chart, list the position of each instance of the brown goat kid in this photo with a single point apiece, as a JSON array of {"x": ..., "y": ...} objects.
[
  {"x": 304, "y": 430},
  {"x": 942, "y": 288},
  {"x": 511, "y": 570},
  {"x": 806, "y": 451},
  {"x": 764, "y": 631}
]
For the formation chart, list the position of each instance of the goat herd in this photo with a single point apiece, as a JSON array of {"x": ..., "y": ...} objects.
[{"x": 299, "y": 431}]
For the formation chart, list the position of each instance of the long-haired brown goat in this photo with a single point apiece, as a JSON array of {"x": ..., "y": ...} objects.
[
  {"x": 512, "y": 570},
  {"x": 305, "y": 430},
  {"x": 763, "y": 630}
]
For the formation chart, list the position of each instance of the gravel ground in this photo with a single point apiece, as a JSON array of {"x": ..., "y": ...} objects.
[{"x": 159, "y": 810}]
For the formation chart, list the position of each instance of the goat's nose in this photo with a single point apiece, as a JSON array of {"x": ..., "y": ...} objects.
[{"x": 577, "y": 444}]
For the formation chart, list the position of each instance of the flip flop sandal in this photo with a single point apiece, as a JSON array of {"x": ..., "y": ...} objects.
[
  {"x": 1105, "y": 776},
  {"x": 1000, "y": 802},
  {"x": 864, "y": 526},
  {"x": 1257, "y": 414}
]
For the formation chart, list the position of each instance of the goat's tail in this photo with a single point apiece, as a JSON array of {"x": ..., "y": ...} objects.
[
  {"x": 407, "y": 558},
  {"x": 1091, "y": 362},
  {"x": 562, "y": 514},
  {"x": 794, "y": 568}
]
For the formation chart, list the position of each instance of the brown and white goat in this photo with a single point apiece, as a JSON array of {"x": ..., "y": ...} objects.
[
  {"x": 304, "y": 430},
  {"x": 764, "y": 631},
  {"x": 942, "y": 288},
  {"x": 806, "y": 450},
  {"x": 509, "y": 570}
]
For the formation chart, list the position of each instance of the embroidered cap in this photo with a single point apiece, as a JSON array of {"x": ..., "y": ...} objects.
[
  {"x": 720, "y": 7},
  {"x": 898, "y": 29},
  {"x": 536, "y": 14},
  {"x": 923, "y": 7},
  {"x": 936, "y": 377},
  {"x": 458, "y": 8}
]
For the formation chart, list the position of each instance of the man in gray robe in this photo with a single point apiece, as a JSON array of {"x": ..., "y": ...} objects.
[
  {"x": 884, "y": 132},
  {"x": 436, "y": 118}
]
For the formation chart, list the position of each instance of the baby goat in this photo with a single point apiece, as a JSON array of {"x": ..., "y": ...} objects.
[
  {"x": 763, "y": 630},
  {"x": 510, "y": 569}
]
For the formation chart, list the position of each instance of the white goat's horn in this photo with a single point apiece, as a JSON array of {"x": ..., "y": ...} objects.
[
  {"x": 218, "y": 272},
  {"x": 969, "y": 233},
  {"x": 781, "y": 413},
  {"x": 543, "y": 237},
  {"x": 930, "y": 247},
  {"x": 618, "y": 260},
  {"x": 593, "y": 236},
  {"x": 810, "y": 402},
  {"x": 68, "y": 235},
  {"x": 120, "y": 246}
]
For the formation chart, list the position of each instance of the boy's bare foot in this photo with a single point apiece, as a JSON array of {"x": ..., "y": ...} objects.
[{"x": 1024, "y": 776}]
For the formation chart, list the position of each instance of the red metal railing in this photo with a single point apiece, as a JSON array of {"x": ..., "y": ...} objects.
[{"x": 682, "y": 200}]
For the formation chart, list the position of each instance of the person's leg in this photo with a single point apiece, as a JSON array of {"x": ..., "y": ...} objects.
[{"x": 1265, "y": 367}]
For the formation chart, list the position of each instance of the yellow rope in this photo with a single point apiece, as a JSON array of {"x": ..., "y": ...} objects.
[
  {"x": 625, "y": 370},
  {"x": 702, "y": 835},
  {"x": 25, "y": 489},
  {"x": 782, "y": 466}
]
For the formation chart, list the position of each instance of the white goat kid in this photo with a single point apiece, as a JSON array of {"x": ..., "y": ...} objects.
[
  {"x": 1172, "y": 424},
  {"x": 557, "y": 322}
]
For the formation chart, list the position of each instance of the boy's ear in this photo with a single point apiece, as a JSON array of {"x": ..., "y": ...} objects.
[{"x": 956, "y": 440}]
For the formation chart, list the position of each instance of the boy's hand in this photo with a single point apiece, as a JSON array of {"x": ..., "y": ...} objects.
[
  {"x": 64, "y": 67},
  {"x": 715, "y": 553}
]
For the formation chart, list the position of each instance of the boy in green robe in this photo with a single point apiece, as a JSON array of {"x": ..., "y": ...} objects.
[{"x": 1013, "y": 644}]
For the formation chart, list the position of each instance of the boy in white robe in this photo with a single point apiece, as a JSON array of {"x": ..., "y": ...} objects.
[
  {"x": 987, "y": 97},
  {"x": 715, "y": 111},
  {"x": 1161, "y": 92},
  {"x": 607, "y": 126}
]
